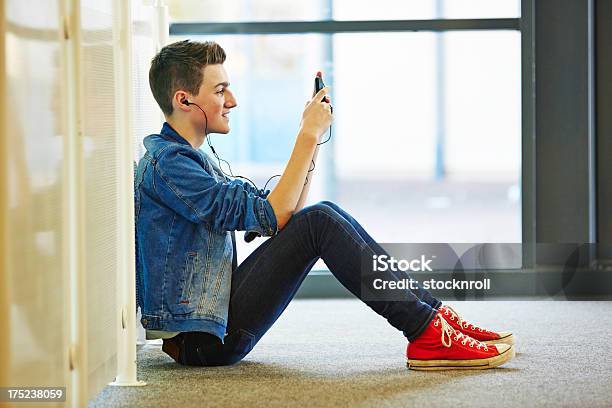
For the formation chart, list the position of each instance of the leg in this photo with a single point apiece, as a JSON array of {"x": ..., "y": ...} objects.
[
  {"x": 264, "y": 284},
  {"x": 421, "y": 293}
]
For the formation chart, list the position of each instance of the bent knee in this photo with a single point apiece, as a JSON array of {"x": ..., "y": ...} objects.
[
  {"x": 330, "y": 204},
  {"x": 325, "y": 207}
]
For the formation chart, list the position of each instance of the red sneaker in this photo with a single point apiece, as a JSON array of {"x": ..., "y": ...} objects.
[
  {"x": 440, "y": 347},
  {"x": 486, "y": 336}
]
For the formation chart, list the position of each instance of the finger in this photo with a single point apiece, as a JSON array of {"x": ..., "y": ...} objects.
[{"x": 319, "y": 95}]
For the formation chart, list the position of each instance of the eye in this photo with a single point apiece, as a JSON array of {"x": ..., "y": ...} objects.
[{"x": 221, "y": 92}]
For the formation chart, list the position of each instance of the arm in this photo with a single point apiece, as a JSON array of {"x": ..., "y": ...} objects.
[
  {"x": 306, "y": 187},
  {"x": 286, "y": 194},
  {"x": 180, "y": 181}
]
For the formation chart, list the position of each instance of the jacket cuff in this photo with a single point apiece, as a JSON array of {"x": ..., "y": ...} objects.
[{"x": 266, "y": 218}]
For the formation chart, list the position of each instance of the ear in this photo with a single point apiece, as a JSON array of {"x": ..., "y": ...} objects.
[{"x": 177, "y": 101}]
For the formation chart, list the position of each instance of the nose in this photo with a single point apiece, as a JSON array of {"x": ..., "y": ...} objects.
[{"x": 230, "y": 101}]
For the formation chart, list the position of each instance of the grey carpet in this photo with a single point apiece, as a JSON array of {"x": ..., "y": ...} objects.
[{"x": 340, "y": 353}]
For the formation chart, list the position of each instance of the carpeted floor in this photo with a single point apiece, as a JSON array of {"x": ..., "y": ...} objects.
[{"x": 340, "y": 353}]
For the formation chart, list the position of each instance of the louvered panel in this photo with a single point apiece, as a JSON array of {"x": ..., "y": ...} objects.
[
  {"x": 100, "y": 194},
  {"x": 38, "y": 327}
]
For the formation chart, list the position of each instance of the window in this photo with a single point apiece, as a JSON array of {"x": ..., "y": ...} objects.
[{"x": 426, "y": 143}]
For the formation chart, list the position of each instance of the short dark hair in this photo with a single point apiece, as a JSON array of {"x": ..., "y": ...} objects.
[{"x": 179, "y": 66}]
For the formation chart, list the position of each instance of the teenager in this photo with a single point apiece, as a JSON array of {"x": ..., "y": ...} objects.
[{"x": 207, "y": 309}]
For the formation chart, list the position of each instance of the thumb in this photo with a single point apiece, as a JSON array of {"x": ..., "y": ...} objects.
[{"x": 319, "y": 95}]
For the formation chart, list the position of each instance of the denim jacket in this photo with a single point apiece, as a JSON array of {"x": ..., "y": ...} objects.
[{"x": 186, "y": 211}]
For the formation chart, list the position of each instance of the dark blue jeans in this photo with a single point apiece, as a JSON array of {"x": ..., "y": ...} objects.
[{"x": 264, "y": 284}]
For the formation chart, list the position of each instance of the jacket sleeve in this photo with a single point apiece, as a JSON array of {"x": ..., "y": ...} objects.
[
  {"x": 258, "y": 192},
  {"x": 181, "y": 183}
]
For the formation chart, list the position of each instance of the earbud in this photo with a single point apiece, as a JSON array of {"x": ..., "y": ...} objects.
[{"x": 185, "y": 102}]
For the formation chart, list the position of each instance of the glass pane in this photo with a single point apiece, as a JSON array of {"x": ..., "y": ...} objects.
[
  {"x": 384, "y": 10},
  {"x": 480, "y": 8},
  {"x": 482, "y": 104},
  {"x": 426, "y": 137},
  {"x": 424, "y": 9},
  {"x": 456, "y": 93},
  {"x": 280, "y": 10},
  {"x": 247, "y": 10}
]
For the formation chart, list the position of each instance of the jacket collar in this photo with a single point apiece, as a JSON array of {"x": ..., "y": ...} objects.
[{"x": 168, "y": 131}]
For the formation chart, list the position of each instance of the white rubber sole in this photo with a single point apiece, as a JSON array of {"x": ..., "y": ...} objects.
[
  {"x": 476, "y": 364},
  {"x": 509, "y": 340}
]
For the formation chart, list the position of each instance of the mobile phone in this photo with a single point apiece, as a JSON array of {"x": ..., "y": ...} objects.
[{"x": 318, "y": 85}]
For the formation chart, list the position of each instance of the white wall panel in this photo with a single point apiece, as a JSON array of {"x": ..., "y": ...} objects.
[
  {"x": 100, "y": 152},
  {"x": 33, "y": 188}
]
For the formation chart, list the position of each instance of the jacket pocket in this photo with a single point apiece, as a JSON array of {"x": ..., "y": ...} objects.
[
  {"x": 184, "y": 298},
  {"x": 217, "y": 284}
]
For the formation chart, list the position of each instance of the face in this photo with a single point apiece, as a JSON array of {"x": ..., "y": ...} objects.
[{"x": 215, "y": 99}]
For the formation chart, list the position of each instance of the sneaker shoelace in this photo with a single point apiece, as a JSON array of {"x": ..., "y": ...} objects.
[
  {"x": 449, "y": 311},
  {"x": 449, "y": 334}
]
